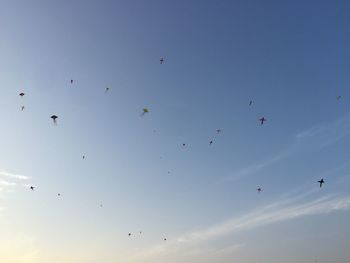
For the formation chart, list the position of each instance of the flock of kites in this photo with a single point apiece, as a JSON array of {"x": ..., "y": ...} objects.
[{"x": 146, "y": 111}]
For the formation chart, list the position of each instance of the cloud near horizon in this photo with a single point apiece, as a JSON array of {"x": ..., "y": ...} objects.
[
  {"x": 276, "y": 212},
  {"x": 14, "y": 176}
]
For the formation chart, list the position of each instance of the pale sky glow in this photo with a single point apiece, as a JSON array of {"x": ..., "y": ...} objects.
[{"x": 185, "y": 192}]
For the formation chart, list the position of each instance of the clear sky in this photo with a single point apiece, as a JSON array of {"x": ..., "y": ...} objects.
[{"x": 291, "y": 58}]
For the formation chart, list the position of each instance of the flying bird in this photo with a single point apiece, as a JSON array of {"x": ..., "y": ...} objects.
[
  {"x": 262, "y": 120},
  {"x": 259, "y": 189},
  {"x": 71, "y": 81},
  {"x": 83, "y": 156},
  {"x": 22, "y": 108},
  {"x": 339, "y": 97},
  {"x": 250, "y": 103},
  {"x": 22, "y": 94},
  {"x": 107, "y": 89},
  {"x": 129, "y": 234},
  {"x": 164, "y": 239},
  {"x": 144, "y": 111},
  {"x": 161, "y": 60},
  {"x": 218, "y": 130},
  {"x": 59, "y": 194},
  {"x": 321, "y": 182},
  {"x": 184, "y": 144},
  {"x": 54, "y": 117},
  {"x": 211, "y": 142},
  {"x": 32, "y": 188}
]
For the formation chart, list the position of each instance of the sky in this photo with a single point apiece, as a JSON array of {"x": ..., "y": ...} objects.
[{"x": 290, "y": 58}]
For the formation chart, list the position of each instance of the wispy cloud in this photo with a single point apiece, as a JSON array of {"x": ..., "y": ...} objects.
[
  {"x": 325, "y": 135},
  {"x": 10, "y": 180},
  {"x": 273, "y": 213},
  {"x": 267, "y": 216},
  {"x": 13, "y": 175},
  {"x": 257, "y": 167},
  {"x": 7, "y": 183}
]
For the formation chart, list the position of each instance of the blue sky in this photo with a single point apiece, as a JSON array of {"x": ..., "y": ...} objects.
[{"x": 289, "y": 57}]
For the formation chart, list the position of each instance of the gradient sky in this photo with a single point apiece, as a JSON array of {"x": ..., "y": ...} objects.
[{"x": 290, "y": 57}]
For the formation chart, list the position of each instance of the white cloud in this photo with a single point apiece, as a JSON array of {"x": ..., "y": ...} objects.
[
  {"x": 195, "y": 242},
  {"x": 262, "y": 217},
  {"x": 10, "y": 180},
  {"x": 14, "y": 176},
  {"x": 7, "y": 183}
]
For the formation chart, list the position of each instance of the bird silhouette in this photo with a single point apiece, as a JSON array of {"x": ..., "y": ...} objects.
[{"x": 32, "y": 188}]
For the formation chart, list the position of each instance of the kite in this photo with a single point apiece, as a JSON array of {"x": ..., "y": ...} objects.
[
  {"x": 262, "y": 120},
  {"x": 54, "y": 117},
  {"x": 144, "y": 111},
  {"x": 321, "y": 182}
]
